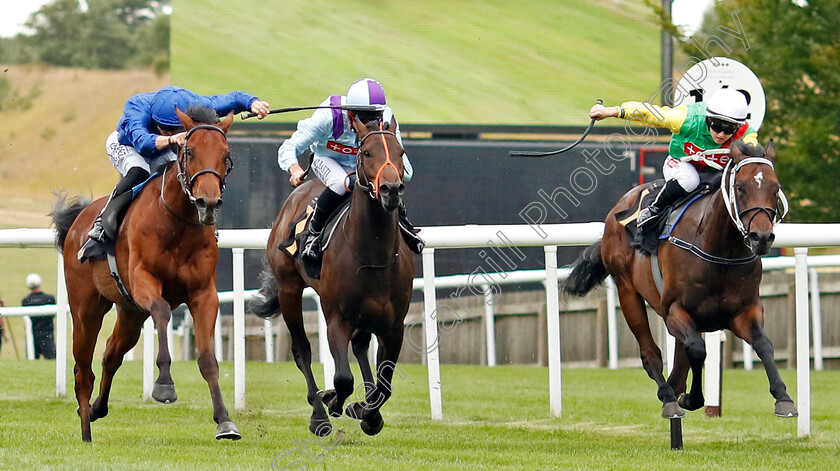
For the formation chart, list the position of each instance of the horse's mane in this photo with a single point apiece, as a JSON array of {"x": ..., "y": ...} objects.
[
  {"x": 748, "y": 149},
  {"x": 202, "y": 114}
]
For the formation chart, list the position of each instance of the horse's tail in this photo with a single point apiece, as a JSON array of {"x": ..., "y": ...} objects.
[
  {"x": 65, "y": 211},
  {"x": 588, "y": 271},
  {"x": 265, "y": 304}
]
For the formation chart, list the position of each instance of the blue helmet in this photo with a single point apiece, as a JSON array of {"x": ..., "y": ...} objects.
[{"x": 167, "y": 99}]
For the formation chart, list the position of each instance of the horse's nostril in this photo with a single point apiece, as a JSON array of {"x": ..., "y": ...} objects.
[
  {"x": 401, "y": 188},
  {"x": 384, "y": 190}
]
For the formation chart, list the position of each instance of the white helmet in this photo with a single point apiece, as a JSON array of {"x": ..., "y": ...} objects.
[
  {"x": 33, "y": 281},
  {"x": 729, "y": 105},
  {"x": 366, "y": 92}
]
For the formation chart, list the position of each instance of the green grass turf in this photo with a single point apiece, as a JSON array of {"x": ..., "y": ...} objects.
[
  {"x": 494, "y": 418},
  {"x": 440, "y": 61}
]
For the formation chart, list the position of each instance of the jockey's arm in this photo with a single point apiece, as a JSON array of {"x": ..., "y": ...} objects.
[{"x": 643, "y": 113}]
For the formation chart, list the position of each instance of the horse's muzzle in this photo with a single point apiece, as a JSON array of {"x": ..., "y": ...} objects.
[
  {"x": 208, "y": 210},
  {"x": 391, "y": 195},
  {"x": 760, "y": 242}
]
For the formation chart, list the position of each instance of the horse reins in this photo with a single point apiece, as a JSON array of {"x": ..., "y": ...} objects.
[{"x": 373, "y": 190}]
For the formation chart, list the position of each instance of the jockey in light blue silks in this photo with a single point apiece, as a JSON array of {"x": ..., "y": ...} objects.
[{"x": 329, "y": 134}]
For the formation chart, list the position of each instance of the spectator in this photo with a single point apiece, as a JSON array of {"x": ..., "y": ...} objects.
[{"x": 42, "y": 326}]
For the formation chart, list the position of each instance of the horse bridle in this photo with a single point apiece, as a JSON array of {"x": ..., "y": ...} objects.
[
  {"x": 373, "y": 190},
  {"x": 183, "y": 172},
  {"x": 731, "y": 202}
]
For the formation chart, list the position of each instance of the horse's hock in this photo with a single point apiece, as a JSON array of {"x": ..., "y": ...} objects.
[{"x": 521, "y": 328}]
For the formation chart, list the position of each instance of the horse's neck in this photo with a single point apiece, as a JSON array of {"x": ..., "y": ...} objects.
[
  {"x": 371, "y": 228},
  {"x": 721, "y": 238}
]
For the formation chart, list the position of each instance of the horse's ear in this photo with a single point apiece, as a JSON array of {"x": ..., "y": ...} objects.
[
  {"x": 184, "y": 118},
  {"x": 735, "y": 151},
  {"x": 225, "y": 124},
  {"x": 359, "y": 126},
  {"x": 771, "y": 150},
  {"x": 392, "y": 125}
]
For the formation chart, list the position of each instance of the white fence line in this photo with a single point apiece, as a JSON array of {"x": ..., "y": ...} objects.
[{"x": 799, "y": 236}]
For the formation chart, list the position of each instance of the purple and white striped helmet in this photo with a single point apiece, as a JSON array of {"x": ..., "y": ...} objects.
[{"x": 366, "y": 92}]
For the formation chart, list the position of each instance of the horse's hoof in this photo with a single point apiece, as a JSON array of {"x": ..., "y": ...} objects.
[
  {"x": 320, "y": 428},
  {"x": 786, "y": 409},
  {"x": 164, "y": 393},
  {"x": 355, "y": 410},
  {"x": 672, "y": 410},
  {"x": 686, "y": 403},
  {"x": 227, "y": 430},
  {"x": 374, "y": 426}
]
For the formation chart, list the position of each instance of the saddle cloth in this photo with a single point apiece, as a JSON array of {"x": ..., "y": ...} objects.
[
  {"x": 298, "y": 233},
  {"x": 647, "y": 239}
]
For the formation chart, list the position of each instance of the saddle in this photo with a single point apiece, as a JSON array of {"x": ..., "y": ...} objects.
[
  {"x": 647, "y": 239},
  {"x": 298, "y": 233},
  {"x": 112, "y": 220}
]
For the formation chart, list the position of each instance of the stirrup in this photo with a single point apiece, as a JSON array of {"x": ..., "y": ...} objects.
[
  {"x": 97, "y": 232},
  {"x": 311, "y": 247},
  {"x": 646, "y": 215}
]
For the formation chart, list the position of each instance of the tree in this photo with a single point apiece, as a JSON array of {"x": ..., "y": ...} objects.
[
  {"x": 794, "y": 49},
  {"x": 106, "y": 34}
]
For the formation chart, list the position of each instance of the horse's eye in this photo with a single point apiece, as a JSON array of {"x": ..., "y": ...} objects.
[
  {"x": 740, "y": 189},
  {"x": 366, "y": 153}
]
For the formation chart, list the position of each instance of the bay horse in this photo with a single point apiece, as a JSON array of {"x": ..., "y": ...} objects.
[
  {"x": 166, "y": 255},
  {"x": 365, "y": 284},
  {"x": 710, "y": 270}
]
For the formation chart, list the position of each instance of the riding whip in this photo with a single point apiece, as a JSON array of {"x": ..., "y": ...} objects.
[
  {"x": 521, "y": 153},
  {"x": 354, "y": 108}
]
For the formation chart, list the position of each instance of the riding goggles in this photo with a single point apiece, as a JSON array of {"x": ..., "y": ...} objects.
[{"x": 719, "y": 125}]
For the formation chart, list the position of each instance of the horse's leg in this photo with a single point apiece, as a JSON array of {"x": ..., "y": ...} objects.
[
  {"x": 204, "y": 306},
  {"x": 679, "y": 373},
  {"x": 633, "y": 306},
  {"x": 87, "y": 321},
  {"x": 339, "y": 333},
  {"x": 682, "y": 327},
  {"x": 164, "y": 389},
  {"x": 368, "y": 412},
  {"x": 290, "y": 299},
  {"x": 749, "y": 327},
  {"x": 124, "y": 338},
  {"x": 361, "y": 344}
]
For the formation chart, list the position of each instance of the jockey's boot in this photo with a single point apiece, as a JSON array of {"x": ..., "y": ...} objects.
[
  {"x": 409, "y": 232},
  {"x": 324, "y": 207},
  {"x": 670, "y": 192},
  {"x": 106, "y": 224}
]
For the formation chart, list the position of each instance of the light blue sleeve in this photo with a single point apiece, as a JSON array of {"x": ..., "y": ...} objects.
[
  {"x": 408, "y": 170},
  {"x": 316, "y": 128}
]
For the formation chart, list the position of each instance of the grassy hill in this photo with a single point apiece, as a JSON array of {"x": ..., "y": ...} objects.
[
  {"x": 53, "y": 134},
  {"x": 53, "y": 127},
  {"x": 441, "y": 61}
]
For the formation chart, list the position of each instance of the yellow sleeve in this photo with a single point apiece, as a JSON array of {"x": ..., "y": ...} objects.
[
  {"x": 751, "y": 138},
  {"x": 652, "y": 115}
]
